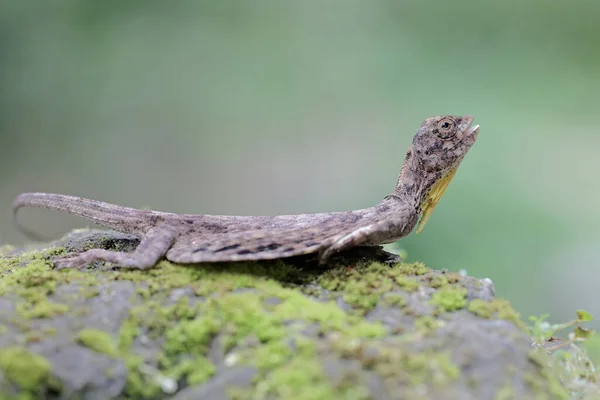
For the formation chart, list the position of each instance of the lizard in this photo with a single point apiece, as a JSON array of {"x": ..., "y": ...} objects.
[{"x": 437, "y": 149}]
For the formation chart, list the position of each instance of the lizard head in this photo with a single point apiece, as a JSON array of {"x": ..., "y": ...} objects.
[{"x": 437, "y": 150}]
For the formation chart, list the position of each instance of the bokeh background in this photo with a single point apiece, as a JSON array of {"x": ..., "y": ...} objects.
[{"x": 265, "y": 107}]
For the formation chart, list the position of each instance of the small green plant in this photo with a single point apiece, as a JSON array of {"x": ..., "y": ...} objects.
[
  {"x": 572, "y": 363},
  {"x": 543, "y": 332}
]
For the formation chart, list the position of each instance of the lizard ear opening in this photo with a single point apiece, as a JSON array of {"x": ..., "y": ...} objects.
[{"x": 433, "y": 197}]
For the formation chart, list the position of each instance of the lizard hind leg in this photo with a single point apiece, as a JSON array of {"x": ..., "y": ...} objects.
[{"x": 151, "y": 249}]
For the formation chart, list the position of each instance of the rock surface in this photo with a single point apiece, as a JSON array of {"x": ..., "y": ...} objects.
[{"x": 358, "y": 329}]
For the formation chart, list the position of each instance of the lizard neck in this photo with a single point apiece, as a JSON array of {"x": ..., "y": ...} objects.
[
  {"x": 403, "y": 206},
  {"x": 411, "y": 182}
]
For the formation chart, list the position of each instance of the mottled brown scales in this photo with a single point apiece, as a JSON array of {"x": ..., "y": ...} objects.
[{"x": 436, "y": 152}]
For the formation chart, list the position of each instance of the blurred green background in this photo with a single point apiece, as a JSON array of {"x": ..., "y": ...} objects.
[{"x": 265, "y": 107}]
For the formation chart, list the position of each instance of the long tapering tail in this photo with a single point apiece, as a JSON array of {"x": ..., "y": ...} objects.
[{"x": 112, "y": 216}]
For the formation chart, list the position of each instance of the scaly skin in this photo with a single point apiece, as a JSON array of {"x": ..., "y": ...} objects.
[{"x": 436, "y": 152}]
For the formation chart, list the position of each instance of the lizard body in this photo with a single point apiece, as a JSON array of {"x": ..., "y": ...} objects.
[{"x": 437, "y": 149}]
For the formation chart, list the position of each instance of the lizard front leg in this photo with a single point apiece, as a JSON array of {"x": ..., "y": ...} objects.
[
  {"x": 152, "y": 248},
  {"x": 369, "y": 235}
]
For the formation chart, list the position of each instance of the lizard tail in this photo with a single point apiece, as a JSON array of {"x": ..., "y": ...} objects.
[{"x": 123, "y": 219}]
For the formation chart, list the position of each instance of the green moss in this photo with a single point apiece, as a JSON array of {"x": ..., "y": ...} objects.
[
  {"x": 363, "y": 285},
  {"x": 505, "y": 393},
  {"x": 98, "y": 341},
  {"x": 195, "y": 370},
  {"x": 408, "y": 284},
  {"x": 41, "y": 308},
  {"x": 128, "y": 332},
  {"x": 236, "y": 316},
  {"x": 417, "y": 268},
  {"x": 301, "y": 376},
  {"x": 89, "y": 293},
  {"x": 27, "y": 370},
  {"x": 360, "y": 297},
  {"x": 438, "y": 281},
  {"x": 507, "y": 312},
  {"x": 191, "y": 336},
  {"x": 482, "y": 308},
  {"x": 48, "y": 331},
  {"x": 548, "y": 376},
  {"x": 417, "y": 368},
  {"x": 291, "y": 381},
  {"x": 450, "y": 298},
  {"x": 497, "y": 308},
  {"x": 427, "y": 324},
  {"x": 36, "y": 281},
  {"x": 398, "y": 361},
  {"x": 453, "y": 277},
  {"x": 449, "y": 370},
  {"x": 143, "y": 292},
  {"x": 140, "y": 384},
  {"x": 269, "y": 356},
  {"x": 37, "y": 275},
  {"x": 394, "y": 300}
]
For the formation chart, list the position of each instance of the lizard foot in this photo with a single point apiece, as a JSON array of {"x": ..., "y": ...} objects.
[
  {"x": 80, "y": 260},
  {"x": 76, "y": 260},
  {"x": 355, "y": 238},
  {"x": 364, "y": 236},
  {"x": 134, "y": 260},
  {"x": 362, "y": 253}
]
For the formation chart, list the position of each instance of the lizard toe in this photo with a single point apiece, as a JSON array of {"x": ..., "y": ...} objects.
[{"x": 73, "y": 261}]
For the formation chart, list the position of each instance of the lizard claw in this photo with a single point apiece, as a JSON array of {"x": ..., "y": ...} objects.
[
  {"x": 324, "y": 255},
  {"x": 70, "y": 261}
]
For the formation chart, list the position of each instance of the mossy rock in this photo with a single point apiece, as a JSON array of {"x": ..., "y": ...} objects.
[{"x": 356, "y": 329}]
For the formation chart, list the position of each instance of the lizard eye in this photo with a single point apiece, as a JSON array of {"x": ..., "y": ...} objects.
[{"x": 446, "y": 128}]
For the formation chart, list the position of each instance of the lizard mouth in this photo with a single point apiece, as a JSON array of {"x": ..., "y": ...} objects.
[
  {"x": 473, "y": 130},
  {"x": 466, "y": 127}
]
